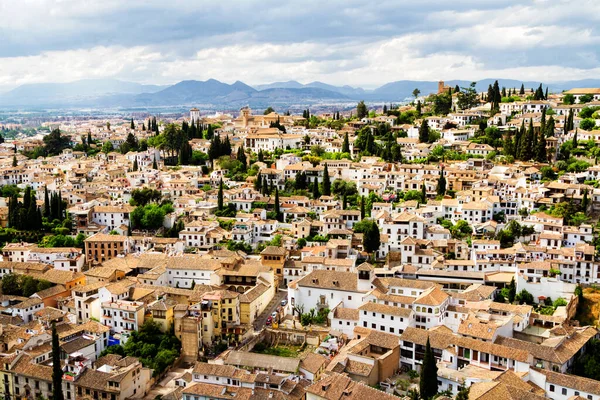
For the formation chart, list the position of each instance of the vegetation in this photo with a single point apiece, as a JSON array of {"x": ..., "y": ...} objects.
[
  {"x": 428, "y": 384},
  {"x": 155, "y": 349},
  {"x": 23, "y": 285}
]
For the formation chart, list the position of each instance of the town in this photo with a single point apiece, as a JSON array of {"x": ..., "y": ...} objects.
[{"x": 446, "y": 246}]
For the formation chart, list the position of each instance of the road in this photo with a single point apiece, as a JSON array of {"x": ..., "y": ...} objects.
[{"x": 261, "y": 320}]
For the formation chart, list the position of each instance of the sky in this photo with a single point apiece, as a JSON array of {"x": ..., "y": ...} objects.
[{"x": 341, "y": 42}]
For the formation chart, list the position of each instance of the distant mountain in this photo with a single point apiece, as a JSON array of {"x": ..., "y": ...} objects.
[
  {"x": 280, "y": 85},
  {"x": 72, "y": 92},
  {"x": 112, "y": 93},
  {"x": 347, "y": 91}
]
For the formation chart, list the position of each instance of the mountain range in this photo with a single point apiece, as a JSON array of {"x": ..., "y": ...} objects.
[{"x": 112, "y": 93}]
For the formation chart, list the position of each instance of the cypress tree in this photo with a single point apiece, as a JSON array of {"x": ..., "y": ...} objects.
[
  {"x": 362, "y": 207},
  {"x": 135, "y": 164},
  {"x": 315, "y": 189},
  {"x": 326, "y": 182},
  {"x": 344, "y": 201},
  {"x": 278, "y": 214},
  {"x": 419, "y": 107},
  {"x": 241, "y": 157},
  {"x": 522, "y": 91},
  {"x": 132, "y": 124},
  {"x": 546, "y": 95},
  {"x": 346, "y": 144},
  {"x": 257, "y": 183},
  {"x": 89, "y": 138},
  {"x": 265, "y": 185},
  {"x": 541, "y": 154},
  {"x": 154, "y": 164},
  {"x": 575, "y": 143},
  {"x": 14, "y": 162},
  {"x": 57, "y": 372},
  {"x": 585, "y": 201},
  {"x": 46, "y": 203},
  {"x": 424, "y": 132},
  {"x": 423, "y": 193},
  {"x": 441, "y": 184},
  {"x": 428, "y": 384},
  {"x": 220, "y": 196}
]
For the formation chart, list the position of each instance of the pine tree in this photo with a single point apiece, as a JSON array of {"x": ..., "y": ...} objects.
[
  {"x": 57, "y": 372},
  {"x": 326, "y": 182},
  {"x": 428, "y": 384},
  {"x": 135, "y": 164},
  {"x": 424, "y": 132},
  {"x": 346, "y": 144},
  {"x": 441, "y": 184},
  {"x": 220, "y": 196}
]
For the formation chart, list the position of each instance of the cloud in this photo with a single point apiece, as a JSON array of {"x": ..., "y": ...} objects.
[{"x": 338, "y": 41}]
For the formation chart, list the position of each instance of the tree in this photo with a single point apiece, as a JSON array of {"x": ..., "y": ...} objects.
[
  {"x": 512, "y": 290},
  {"x": 278, "y": 214},
  {"x": 220, "y": 196},
  {"x": 424, "y": 132},
  {"x": 46, "y": 203},
  {"x": 371, "y": 237},
  {"x": 524, "y": 297},
  {"x": 326, "y": 182},
  {"x": 269, "y": 110},
  {"x": 587, "y": 124},
  {"x": 463, "y": 393},
  {"x": 428, "y": 384},
  {"x": 568, "y": 99},
  {"x": 346, "y": 144},
  {"x": 241, "y": 157},
  {"x": 423, "y": 193},
  {"x": 135, "y": 164},
  {"x": 522, "y": 90},
  {"x": 418, "y": 107},
  {"x": 11, "y": 284},
  {"x": 55, "y": 143},
  {"x": 132, "y": 124},
  {"x": 315, "y": 189},
  {"x": 361, "y": 110},
  {"x": 442, "y": 103},
  {"x": 441, "y": 184},
  {"x": 468, "y": 97},
  {"x": 14, "y": 162},
  {"x": 57, "y": 372},
  {"x": 107, "y": 147},
  {"x": 154, "y": 164},
  {"x": 362, "y": 207},
  {"x": 416, "y": 93}
]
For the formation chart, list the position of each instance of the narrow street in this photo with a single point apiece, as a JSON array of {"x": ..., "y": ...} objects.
[{"x": 261, "y": 320}]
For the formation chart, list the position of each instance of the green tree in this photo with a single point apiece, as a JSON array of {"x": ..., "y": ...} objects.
[
  {"x": 11, "y": 284},
  {"x": 14, "y": 162},
  {"x": 416, "y": 93},
  {"x": 428, "y": 384},
  {"x": 269, "y": 110},
  {"x": 326, "y": 182},
  {"x": 57, "y": 372},
  {"x": 424, "y": 132},
  {"x": 278, "y": 213},
  {"x": 315, "y": 189},
  {"x": 107, "y": 147},
  {"x": 463, "y": 393},
  {"x": 135, "y": 164},
  {"x": 468, "y": 98},
  {"x": 361, "y": 110},
  {"x": 346, "y": 144},
  {"x": 587, "y": 124},
  {"x": 220, "y": 196},
  {"x": 55, "y": 143},
  {"x": 371, "y": 236},
  {"x": 441, "y": 184}
]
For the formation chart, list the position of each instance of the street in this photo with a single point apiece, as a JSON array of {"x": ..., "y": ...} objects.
[{"x": 261, "y": 320}]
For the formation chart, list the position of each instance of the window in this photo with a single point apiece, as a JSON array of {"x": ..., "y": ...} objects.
[{"x": 564, "y": 391}]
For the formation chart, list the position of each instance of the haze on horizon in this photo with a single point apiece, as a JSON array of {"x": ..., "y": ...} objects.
[{"x": 341, "y": 42}]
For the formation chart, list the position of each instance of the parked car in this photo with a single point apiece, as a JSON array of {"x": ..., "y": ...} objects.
[
  {"x": 283, "y": 303},
  {"x": 269, "y": 320},
  {"x": 274, "y": 314}
]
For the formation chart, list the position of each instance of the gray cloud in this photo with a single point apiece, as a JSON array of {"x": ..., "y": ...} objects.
[{"x": 338, "y": 41}]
